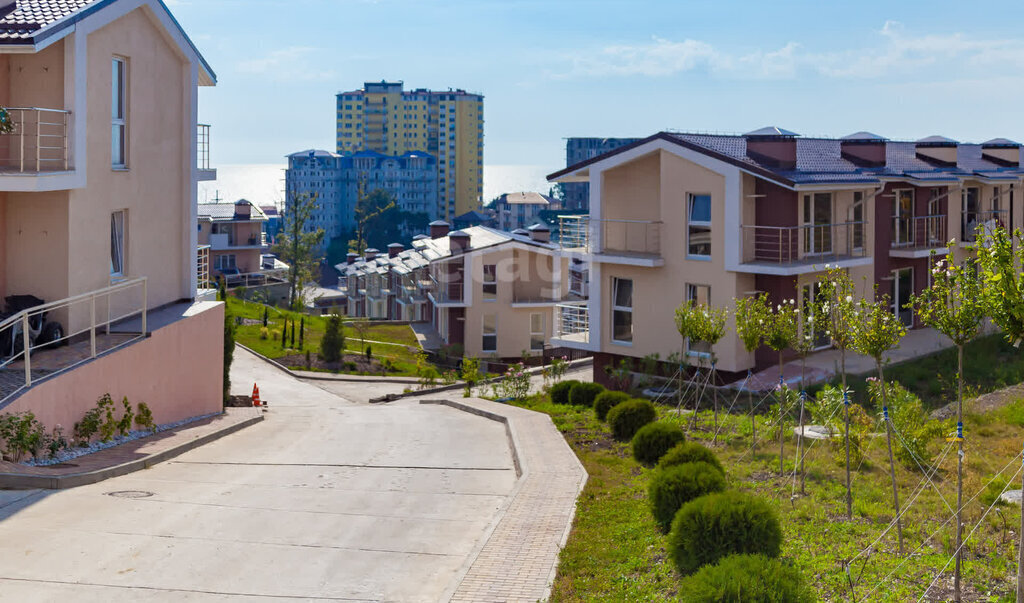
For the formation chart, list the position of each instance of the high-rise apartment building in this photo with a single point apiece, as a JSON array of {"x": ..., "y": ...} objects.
[
  {"x": 578, "y": 150},
  {"x": 385, "y": 118}
]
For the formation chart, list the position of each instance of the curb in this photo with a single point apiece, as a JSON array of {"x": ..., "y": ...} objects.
[{"x": 63, "y": 482}]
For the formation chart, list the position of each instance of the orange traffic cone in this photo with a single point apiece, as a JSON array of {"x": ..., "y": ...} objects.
[{"x": 255, "y": 395}]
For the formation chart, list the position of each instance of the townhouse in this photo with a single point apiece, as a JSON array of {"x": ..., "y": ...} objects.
[
  {"x": 489, "y": 292},
  {"x": 711, "y": 218},
  {"x": 98, "y": 198},
  {"x": 232, "y": 234}
]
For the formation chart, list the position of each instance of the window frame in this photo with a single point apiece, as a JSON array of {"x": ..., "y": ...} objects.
[
  {"x": 692, "y": 293},
  {"x": 118, "y": 244},
  {"x": 489, "y": 288},
  {"x": 484, "y": 334},
  {"x": 617, "y": 309},
  {"x": 534, "y": 333},
  {"x": 703, "y": 224},
  {"x": 119, "y": 112}
]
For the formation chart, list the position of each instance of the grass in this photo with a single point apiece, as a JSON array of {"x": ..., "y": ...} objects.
[
  {"x": 616, "y": 553},
  {"x": 403, "y": 354}
]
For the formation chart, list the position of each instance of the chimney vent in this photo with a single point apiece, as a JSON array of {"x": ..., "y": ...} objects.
[
  {"x": 371, "y": 254},
  {"x": 937, "y": 149},
  {"x": 243, "y": 210},
  {"x": 439, "y": 228},
  {"x": 540, "y": 233},
  {"x": 351, "y": 258},
  {"x": 394, "y": 249},
  {"x": 863, "y": 149},
  {"x": 772, "y": 146},
  {"x": 1001, "y": 151},
  {"x": 459, "y": 241}
]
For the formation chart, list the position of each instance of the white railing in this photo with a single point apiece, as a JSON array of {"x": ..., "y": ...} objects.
[
  {"x": 86, "y": 323},
  {"x": 630, "y": 237},
  {"x": 203, "y": 147},
  {"x": 257, "y": 279},
  {"x": 809, "y": 243},
  {"x": 572, "y": 319},
  {"x": 39, "y": 142},
  {"x": 203, "y": 267}
]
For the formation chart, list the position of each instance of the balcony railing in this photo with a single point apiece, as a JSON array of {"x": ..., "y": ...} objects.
[
  {"x": 256, "y": 279},
  {"x": 446, "y": 292},
  {"x": 807, "y": 244},
  {"x": 572, "y": 320},
  {"x": 920, "y": 232},
  {"x": 203, "y": 147},
  {"x": 203, "y": 279},
  {"x": 617, "y": 237},
  {"x": 27, "y": 359},
  {"x": 520, "y": 295},
  {"x": 971, "y": 221},
  {"x": 223, "y": 240},
  {"x": 39, "y": 142}
]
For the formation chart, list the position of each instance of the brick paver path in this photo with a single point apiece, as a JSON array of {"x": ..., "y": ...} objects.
[{"x": 519, "y": 559}]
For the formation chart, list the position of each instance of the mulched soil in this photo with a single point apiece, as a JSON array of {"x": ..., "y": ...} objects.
[
  {"x": 350, "y": 363},
  {"x": 984, "y": 403}
]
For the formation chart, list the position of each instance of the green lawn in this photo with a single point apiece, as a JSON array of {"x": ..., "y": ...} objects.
[
  {"x": 403, "y": 355},
  {"x": 615, "y": 552}
]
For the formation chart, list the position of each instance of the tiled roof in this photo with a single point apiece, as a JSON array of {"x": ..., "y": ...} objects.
[
  {"x": 226, "y": 211},
  {"x": 32, "y": 15}
]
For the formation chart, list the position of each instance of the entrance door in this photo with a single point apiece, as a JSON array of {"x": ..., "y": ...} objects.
[
  {"x": 817, "y": 222},
  {"x": 902, "y": 289},
  {"x": 808, "y": 296},
  {"x": 971, "y": 201}
]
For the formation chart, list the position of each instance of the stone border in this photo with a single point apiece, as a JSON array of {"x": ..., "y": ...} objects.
[
  {"x": 73, "y": 480},
  {"x": 496, "y": 569}
]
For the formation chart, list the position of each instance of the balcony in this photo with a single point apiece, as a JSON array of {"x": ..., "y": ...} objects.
[
  {"x": 36, "y": 155},
  {"x": 632, "y": 242},
  {"x": 446, "y": 294},
  {"x": 572, "y": 325},
  {"x": 206, "y": 173},
  {"x": 987, "y": 221},
  {"x": 790, "y": 250},
  {"x": 226, "y": 241},
  {"x": 531, "y": 298},
  {"x": 916, "y": 237}
]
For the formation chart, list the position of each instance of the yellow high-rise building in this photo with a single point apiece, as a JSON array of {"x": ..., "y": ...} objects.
[{"x": 383, "y": 117}]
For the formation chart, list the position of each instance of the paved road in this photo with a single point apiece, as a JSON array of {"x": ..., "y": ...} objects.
[{"x": 328, "y": 499}]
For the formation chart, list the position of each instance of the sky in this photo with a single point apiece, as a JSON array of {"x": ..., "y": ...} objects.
[{"x": 551, "y": 69}]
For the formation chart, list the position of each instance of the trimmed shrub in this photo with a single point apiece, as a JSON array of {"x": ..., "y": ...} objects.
[
  {"x": 560, "y": 391},
  {"x": 673, "y": 487},
  {"x": 718, "y": 525},
  {"x": 743, "y": 578},
  {"x": 653, "y": 440},
  {"x": 689, "y": 452},
  {"x": 626, "y": 418},
  {"x": 606, "y": 401},
  {"x": 583, "y": 394}
]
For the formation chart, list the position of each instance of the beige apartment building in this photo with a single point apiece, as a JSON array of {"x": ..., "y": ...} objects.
[
  {"x": 98, "y": 185},
  {"x": 490, "y": 292},
  {"x": 711, "y": 218},
  {"x": 232, "y": 234}
]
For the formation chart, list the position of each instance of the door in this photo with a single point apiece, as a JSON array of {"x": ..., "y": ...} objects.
[
  {"x": 971, "y": 202},
  {"x": 903, "y": 217},
  {"x": 936, "y": 232},
  {"x": 808, "y": 295},
  {"x": 817, "y": 224},
  {"x": 902, "y": 289}
]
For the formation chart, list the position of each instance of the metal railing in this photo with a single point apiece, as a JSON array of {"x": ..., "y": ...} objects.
[
  {"x": 804, "y": 244},
  {"x": 226, "y": 240},
  {"x": 631, "y": 237},
  {"x": 971, "y": 221},
  {"x": 39, "y": 142},
  {"x": 447, "y": 292},
  {"x": 522, "y": 296},
  {"x": 256, "y": 279},
  {"x": 572, "y": 319},
  {"x": 83, "y": 322},
  {"x": 920, "y": 232},
  {"x": 203, "y": 279},
  {"x": 203, "y": 147}
]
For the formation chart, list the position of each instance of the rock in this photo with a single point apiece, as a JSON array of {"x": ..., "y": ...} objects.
[
  {"x": 1011, "y": 496},
  {"x": 814, "y": 432}
]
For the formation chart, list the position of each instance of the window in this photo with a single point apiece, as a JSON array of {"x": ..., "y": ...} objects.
[
  {"x": 970, "y": 198},
  {"x": 118, "y": 98},
  {"x": 809, "y": 294},
  {"x": 537, "y": 331},
  {"x": 902, "y": 288},
  {"x": 817, "y": 222},
  {"x": 903, "y": 217},
  {"x": 698, "y": 294},
  {"x": 936, "y": 214},
  {"x": 490, "y": 333},
  {"x": 226, "y": 262},
  {"x": 117, "y": 231},
  {"x": 622, "y": 310},
  {"x": 857, "y": 217},
  {"x": 699, "y": 226},
  {"x": 490, "y": 282}
]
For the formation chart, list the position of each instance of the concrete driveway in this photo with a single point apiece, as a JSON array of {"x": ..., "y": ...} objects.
[{"x": 327, "y": 499}]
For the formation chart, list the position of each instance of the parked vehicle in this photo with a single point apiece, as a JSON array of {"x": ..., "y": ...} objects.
[{"x": 42, "y": 333}]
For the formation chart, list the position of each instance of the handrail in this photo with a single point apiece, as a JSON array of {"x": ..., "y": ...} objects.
[
  {"x": 32, "y": 141},
  {"x": 72, "y": 300}
]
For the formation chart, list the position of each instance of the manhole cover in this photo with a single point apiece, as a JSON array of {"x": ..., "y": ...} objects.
[{"x": 130, "y": 494}]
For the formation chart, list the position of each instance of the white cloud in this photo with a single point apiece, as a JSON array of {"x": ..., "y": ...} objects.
[
  {"x": 891, "y": 51},
  {"x": 291, "y": 63}
]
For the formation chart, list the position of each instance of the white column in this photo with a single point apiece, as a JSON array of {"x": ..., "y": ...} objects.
[
  {"x": 191, "y": 217},
  {"x": 596, "y": 307}
]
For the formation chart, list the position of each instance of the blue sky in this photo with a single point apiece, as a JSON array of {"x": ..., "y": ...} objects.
[{"x": 551, "y": 69}]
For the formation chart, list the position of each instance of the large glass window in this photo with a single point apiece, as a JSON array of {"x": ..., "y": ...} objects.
[
  {"x": 537, "y": 331},
  {"x": 817, "y": 221},
  {"x": 809, "y": 294},
  {"x": 622, "y": 310},
  {"x": 490, "y": 282},
  {"x": 699, "y": 226},
  {"x": 490, "y": 333},
  {"x": 117, "y": 237},
  {"x": 971, "y": 206},
  {"x": 902, "y": 288},
  {"x": 698, "y": 294},
  {"x": 118, "y": 113},
  {"x": 857, "y": 217},
  {"x": 903, "y": 217}
]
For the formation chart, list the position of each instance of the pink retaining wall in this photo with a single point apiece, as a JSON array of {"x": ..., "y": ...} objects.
[{"x": 177, "y": 371}]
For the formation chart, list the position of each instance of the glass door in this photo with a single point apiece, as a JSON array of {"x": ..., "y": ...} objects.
[
  {"x": 817, "y": 224},
  {"x": 808, "y": 296},
  {"x": 971, "y": 203},
  {"x": 902, "y": 289},
  {"x": 903, "y": 217},
  {"x": 935, "y": 213}
]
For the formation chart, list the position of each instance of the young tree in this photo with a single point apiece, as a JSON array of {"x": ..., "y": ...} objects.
[
  {"x": 780, "y": 336},
  {"x": 298, "y": 245},
  {"x": 753, "y": 316},
  {"x": 333, "y": 341},
  {"x": 838, "y": 309},
  {"x": 954, "y": 305},
  {"x": 877, "y": 332},
  {"x": 368, "y": 209},
  {"x": 709, "y": 327}
]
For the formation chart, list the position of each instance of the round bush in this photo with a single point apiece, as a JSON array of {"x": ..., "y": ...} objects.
[
  {"x": 689, "y": 452},
  {"x": 673, "y": 487},
  {"x": 606, "y": 401},
  {"x": 743, "y": 578},
  {"x": 626, "y": 418},
  {"x": 718, "y": 525},
  {"x": 560, "y": 391},
  {"x": 653, "y": 440},
  {"x": 583, "y": 394}
]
